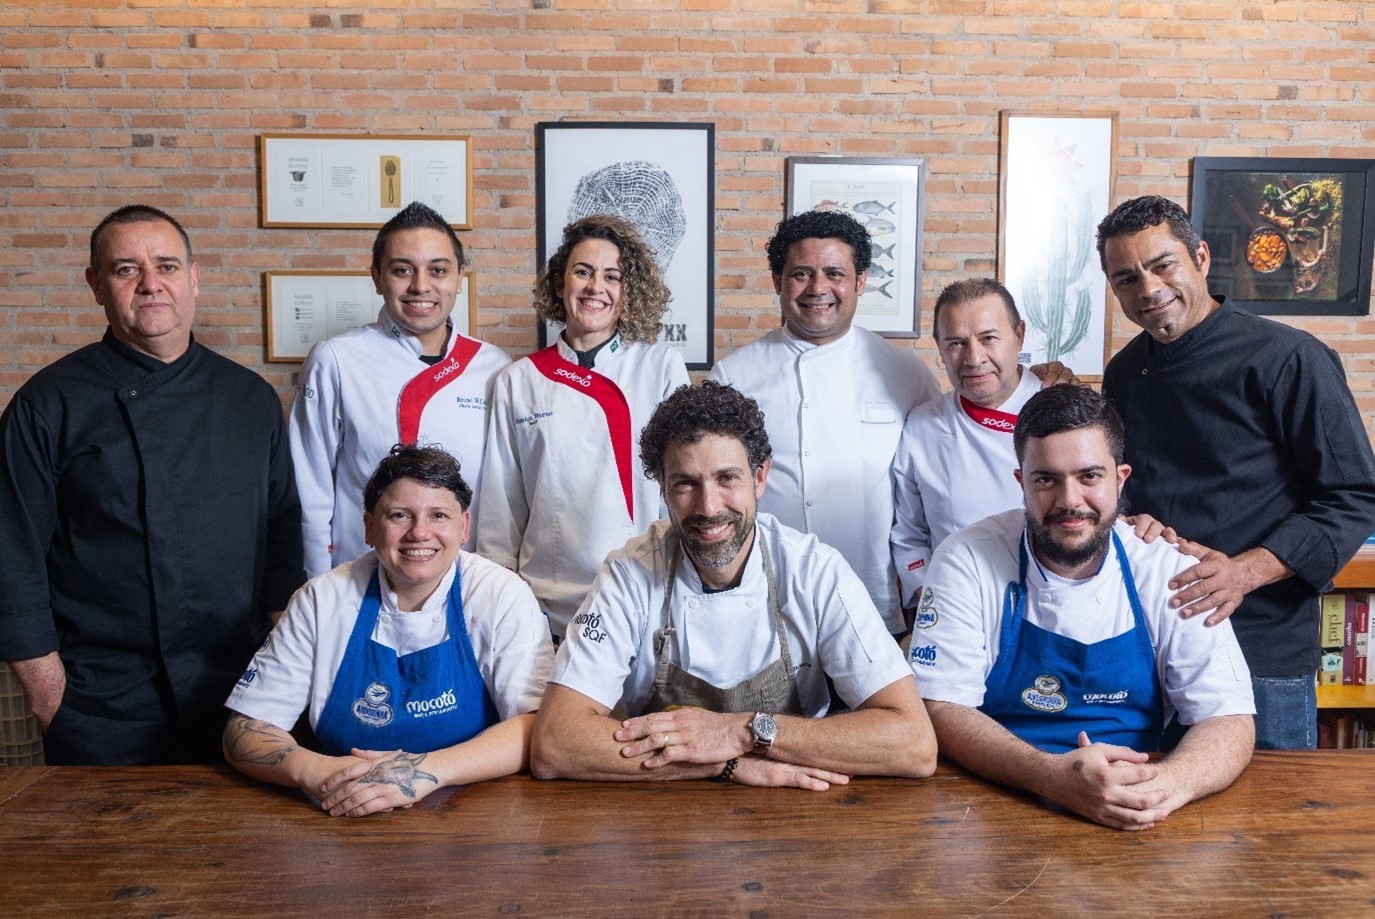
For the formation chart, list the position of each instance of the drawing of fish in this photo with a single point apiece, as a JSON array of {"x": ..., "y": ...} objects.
[
  {"x": 883, "y": 289},
  {"x": 828, "y": 205},
  {"x": 877, "y": 226},
  {"x": 884, "y": 252},
  {"x": 878, "y": 271},
  {"x": 875, "y": 207}
]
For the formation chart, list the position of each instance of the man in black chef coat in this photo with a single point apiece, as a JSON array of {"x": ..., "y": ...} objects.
[
  {"x": 1243, "y": 435},
  {"x": 149, "y": 525}
]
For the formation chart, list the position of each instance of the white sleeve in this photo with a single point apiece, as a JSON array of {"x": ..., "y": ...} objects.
[
  {"x": 1202, "y": 670},
  {"x": 854, "y": 646},
  {"x": 717, "y": 374},
  {"x": 276, "y": 686},
  {"x": 505, "y": 509},
  {"x": 910, "y": 539},
  {"x": 604, "y": 638},
  {"x": 949, "y": 651},
  {"x": 314, "y": 430},
  {"x": 675, "y": 374},
  {"x": 516, "y": 652}
]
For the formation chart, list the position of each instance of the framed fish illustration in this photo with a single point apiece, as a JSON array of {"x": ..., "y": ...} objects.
[{"x": 887, "y": 196}]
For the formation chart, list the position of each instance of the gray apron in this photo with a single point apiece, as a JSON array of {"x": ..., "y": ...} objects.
[{"x": 773, "y": 689}]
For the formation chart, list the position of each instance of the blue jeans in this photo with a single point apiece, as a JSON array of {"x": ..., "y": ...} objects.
[{"x": 1286, "y": 712}]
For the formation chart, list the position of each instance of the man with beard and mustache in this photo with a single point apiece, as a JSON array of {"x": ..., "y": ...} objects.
[
  {"x": 1047, "y": 650},
  {"x": 713, "y": 635}
]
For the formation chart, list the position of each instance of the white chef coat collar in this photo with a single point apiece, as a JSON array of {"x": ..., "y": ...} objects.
[
  {"x": 437, "y": 600},
  {"x": 808, "y": 349},
  {"x": 409, "y": 341},
  {"x": 611, "y": 350}
]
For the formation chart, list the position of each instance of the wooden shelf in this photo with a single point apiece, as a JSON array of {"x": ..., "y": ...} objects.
[
  {"x": 1346, "y": 697},
  {"x": 1359, "y": 574}
]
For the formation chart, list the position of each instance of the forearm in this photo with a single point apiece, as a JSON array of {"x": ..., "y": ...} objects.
[
  {"x": 265, "y": 752},
  {"x": 502, "y": 749},
  {"x": 575, "y": 739},
  {"x": 44, "y": 680},
  {"x": 986, "y": 748},
  {"x": 1208, "y": 759},
  {"x": 889, "y": 734},
  {"x": 1261, "y": 567}
]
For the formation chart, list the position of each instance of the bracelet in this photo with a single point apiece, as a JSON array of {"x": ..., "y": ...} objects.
[{"x": 729, "y": 771}]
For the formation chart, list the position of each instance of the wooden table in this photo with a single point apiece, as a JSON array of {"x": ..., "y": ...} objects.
[{"x": 1292, "y": 837}]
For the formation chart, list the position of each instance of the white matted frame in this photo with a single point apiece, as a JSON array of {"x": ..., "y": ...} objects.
[
  {"x": 305, "y": 307},
  {"x": 348, "y": 180},
  {"x": 888, "y": 197},
  {"x": 1056, "y": 175},
  {"x": 659, "y": 176}
]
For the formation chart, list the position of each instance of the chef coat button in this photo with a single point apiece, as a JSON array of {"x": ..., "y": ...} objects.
[
  {"x": 692, "y": 604},
  {"x": 749, "y": 603},
  {"x": 806, "y": 452},
  {"x": 1144, "y": 371},
  {"x": 810, "y": 503},
  {"x": 386, "y": 617},
  {"x": 133, "y": 393}
]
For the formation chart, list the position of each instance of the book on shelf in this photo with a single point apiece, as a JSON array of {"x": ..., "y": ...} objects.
[{"x": 1344, "y": 635}]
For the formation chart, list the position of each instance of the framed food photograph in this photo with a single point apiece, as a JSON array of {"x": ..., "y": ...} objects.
[
  {"x": 661, "y": 177},
  {"x": 887, "y": 196},
  {"x": 1056, "y": 174},
  {"x": 305, "y": 307},
  {"x": 1287, "y": 236},
  {"x": 351, "y": 180}
]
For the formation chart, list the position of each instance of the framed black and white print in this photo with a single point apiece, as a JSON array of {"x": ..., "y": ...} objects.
[
  {"x": 887, "y": 197},
  {"x": 1287, "y": 236},
  {"x": 661, "y": 178}
]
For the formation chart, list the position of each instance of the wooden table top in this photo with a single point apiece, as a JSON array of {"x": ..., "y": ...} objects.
[{"x": 1292, "y": 837}]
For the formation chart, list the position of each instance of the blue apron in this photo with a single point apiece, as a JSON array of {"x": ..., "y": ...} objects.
[
  {"x": 418, "y": 702},
  {"x": 1046, "y": 688}
]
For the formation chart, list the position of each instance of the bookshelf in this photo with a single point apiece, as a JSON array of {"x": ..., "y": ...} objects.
[{"x": 1359, "y": 574}]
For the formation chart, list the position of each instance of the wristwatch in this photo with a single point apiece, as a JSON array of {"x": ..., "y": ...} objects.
[{"x": 764, "y": 727}]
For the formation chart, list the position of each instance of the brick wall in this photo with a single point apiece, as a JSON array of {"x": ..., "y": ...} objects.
[{"x": 104, "y": 102}]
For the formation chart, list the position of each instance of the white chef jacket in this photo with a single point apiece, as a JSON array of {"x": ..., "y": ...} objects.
[
  {"x": 344, "y": 420},
  {"x": 295, "y": 668},
  {"x": 959, "y": 619},
  {"x": 949, "y": 471},
  {"x": 728, "y": 636},
  {"x": 553, "y": 505},
  {"x": 834, "y": 413}
]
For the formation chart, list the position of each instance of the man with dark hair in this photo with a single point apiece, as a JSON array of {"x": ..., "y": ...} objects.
[
  {"x": 835, "y": 396},
  {"x": 149, "y": 526},
  {"x": 1245, "y": 438},
  {"x": 408, "y": 376},
  {"x": 954, "y": 462},
  {"x": 1046, "y": 648},
  {"x": 717, "y": 630}
]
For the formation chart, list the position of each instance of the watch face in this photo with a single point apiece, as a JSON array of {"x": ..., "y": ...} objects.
[{"x": 765, "y": 727}]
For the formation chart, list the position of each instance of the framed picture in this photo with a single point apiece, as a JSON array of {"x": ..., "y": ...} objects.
[
  {"x": 661, "y": 178},
  {"x": 887, "y": 196},
  {"x": 305, "y": 307},
  {"x": 1056, "y": 174},
  {"x": 346, "y": 180},
  {"x": 1288, "y": 236}
]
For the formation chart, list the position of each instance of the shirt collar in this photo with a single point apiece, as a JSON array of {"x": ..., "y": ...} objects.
[
  {"x": 409, "y": 341},
  {"x": 808, "y": 348},
  {"x": 613, "y": 348}
]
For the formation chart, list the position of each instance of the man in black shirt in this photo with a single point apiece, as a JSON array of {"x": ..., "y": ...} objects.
[
  {"x": 1243, "y": 435},
  {"x": 149, "y": 525}
]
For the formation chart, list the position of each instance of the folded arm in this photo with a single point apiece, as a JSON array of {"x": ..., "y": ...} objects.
[{"x": 1108, "y": 784}]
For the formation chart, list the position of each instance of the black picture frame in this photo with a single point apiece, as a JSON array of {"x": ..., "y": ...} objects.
[
  {"x": 677, "y": 155},
  {"x": 1287, "y": 236}
]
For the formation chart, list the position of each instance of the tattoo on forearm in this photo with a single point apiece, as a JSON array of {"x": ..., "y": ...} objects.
[
  {"x": 248, "y": 740},
  {"x": 401, "y": 770}
]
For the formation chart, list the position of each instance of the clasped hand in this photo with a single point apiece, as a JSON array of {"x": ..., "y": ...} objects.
[
  {"x": 685, "y": 735},
  {"x": 377, "y": 780},
  {"x": 1109, "y": 784}
]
